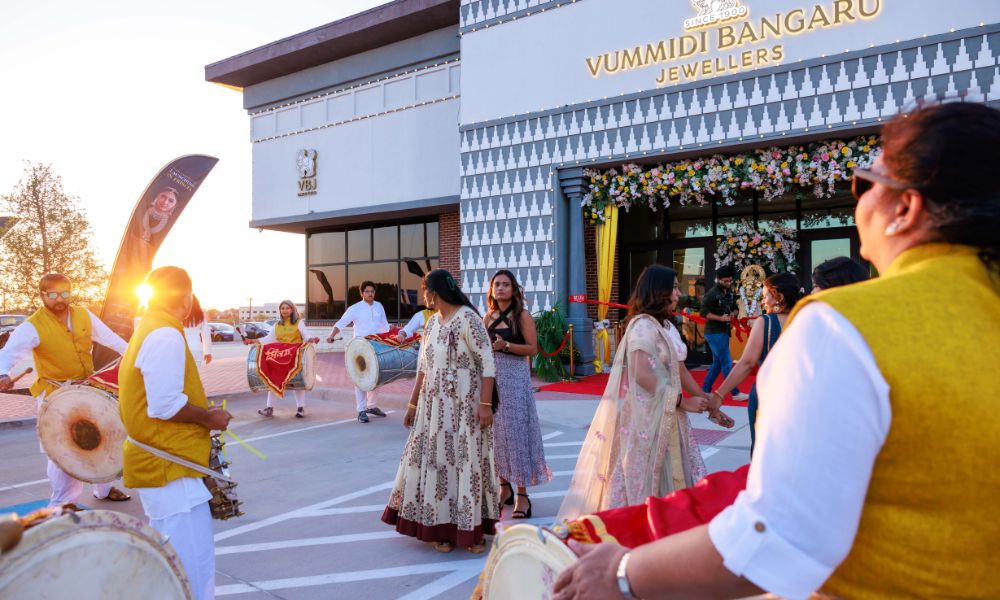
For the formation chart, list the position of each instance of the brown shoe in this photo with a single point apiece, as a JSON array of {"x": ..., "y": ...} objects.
[{"x": 115, "y": 495}]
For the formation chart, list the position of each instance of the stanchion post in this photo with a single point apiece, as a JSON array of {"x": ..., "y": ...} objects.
[{"x": 571, "y": 366}]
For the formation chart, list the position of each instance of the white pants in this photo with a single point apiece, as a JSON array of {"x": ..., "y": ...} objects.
[
  {"x": 66, "y": 489},
  {"x": 365, "y": 399},
  {"x": 300, "y": 398},
  {"x": 190, "y": 534}
]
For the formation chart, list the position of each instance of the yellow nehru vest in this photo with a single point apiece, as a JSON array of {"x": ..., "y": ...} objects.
[
  {"x": 928, "y": 526},
  {"x": 287, "y": 333},
  {"x": 428, "y": 313},
  {"x": 186, "y": 440},
  {"x": 61, "y": 354}
]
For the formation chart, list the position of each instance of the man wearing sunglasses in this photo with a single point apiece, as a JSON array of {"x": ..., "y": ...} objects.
[{"x": 61, "y": 338}]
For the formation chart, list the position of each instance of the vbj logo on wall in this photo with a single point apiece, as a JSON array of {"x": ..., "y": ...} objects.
[
  {"x": 711, "y": 12},
  {"x": 305, "y": 164}
]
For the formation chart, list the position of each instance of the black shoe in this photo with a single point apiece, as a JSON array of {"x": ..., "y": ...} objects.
[
  {"x": 376, "y": 411},
  {"x": 510, "y": 499},
  {"x": 363, "y": 417},
  {"x": 300, "y": 412},
  {"x": 522, "y": 514}
]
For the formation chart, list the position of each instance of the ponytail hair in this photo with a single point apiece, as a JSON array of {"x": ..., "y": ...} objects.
[{"x": 444, "y": 285}]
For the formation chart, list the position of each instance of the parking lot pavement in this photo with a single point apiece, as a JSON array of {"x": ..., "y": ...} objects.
[{"x": 311, "y": 528}]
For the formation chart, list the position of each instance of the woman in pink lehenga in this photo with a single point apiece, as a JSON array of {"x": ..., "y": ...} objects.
[{"x": 640, "y": 443}]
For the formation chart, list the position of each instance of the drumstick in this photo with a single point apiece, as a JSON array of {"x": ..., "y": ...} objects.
[{"x": 23, "y": 373}]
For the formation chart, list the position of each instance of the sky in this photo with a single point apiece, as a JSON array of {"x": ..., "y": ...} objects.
[{"x": 109, "y": 91}]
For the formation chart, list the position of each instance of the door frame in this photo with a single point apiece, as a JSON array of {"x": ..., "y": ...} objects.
[{"x": 807, "y": 236}]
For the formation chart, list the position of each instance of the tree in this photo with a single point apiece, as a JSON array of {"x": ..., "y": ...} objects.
[{"x": 52, "y": 235}]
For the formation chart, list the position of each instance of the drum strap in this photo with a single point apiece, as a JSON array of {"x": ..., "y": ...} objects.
[{"x": 181, "y": 461}]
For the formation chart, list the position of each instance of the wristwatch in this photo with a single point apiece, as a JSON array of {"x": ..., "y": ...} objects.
[{"x": 623, "y": 586}]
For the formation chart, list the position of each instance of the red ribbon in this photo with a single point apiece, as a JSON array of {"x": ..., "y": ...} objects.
[{"x": 740, "y": 325}]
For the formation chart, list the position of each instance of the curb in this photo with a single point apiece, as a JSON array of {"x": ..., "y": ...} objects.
[{"x": 18, "y": 423}]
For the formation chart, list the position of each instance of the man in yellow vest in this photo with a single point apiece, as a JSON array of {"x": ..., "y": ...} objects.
[
  {"x": 61, "y": 338},
  {"x": 874, "y": 474},
  {"x": 163, "y": 405}
]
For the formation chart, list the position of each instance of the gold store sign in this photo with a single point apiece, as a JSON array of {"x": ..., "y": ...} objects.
[{"x": 714, "y": 29}]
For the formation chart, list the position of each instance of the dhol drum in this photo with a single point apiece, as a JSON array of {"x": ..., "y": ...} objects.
[
  {"x": 524, "y": 562},
  {"x": 81, "y": 431},
  {"x": 92, "y": 554},
  {"x": 371, "y": 363},
  {"x": 305, "y": 379}
]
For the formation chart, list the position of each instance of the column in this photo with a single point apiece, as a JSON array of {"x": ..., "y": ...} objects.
[{"x": 574, "y": 185}]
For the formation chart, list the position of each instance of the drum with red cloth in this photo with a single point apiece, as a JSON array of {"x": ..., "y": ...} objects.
[
  {"x": 380, "y": 359},
  {"x": 279, "y": 367}
]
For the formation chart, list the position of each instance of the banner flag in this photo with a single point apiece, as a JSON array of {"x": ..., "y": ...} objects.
[{"x": 154, "y": 215}]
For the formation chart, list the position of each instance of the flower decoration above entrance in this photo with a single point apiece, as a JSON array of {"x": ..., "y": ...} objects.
[
  {"x": 770, "y": 172},
  {"x": 773, "y": 249}
]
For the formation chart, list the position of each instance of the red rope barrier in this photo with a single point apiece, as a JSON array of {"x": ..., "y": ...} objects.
[
  {"x": 741, "y": 326},
  {"x": 558, "y": 350}
]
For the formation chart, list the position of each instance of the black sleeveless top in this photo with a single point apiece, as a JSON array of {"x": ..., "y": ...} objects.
[{"x": 508, "y": 334}]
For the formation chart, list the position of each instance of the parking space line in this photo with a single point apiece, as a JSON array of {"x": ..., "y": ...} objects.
[
  {"x": 563, "y": 444},
  {"x": 21, "y": 485},
  {"x": 347, "y": 510},
  {"x": 549, "y": 436},
  {"x": 559, "y": 456},
  {"x": 351, "y": 576},
  {"x": 306, "y": 542},
  {"x": 304, "y": 511},
  {"x": 301, "y": 429}
]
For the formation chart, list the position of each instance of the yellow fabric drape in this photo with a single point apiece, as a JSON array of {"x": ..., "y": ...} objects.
[{"x": 607, "y": 238}]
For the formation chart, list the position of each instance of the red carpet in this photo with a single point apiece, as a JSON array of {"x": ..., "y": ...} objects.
[{"x": 594, "y": 385}]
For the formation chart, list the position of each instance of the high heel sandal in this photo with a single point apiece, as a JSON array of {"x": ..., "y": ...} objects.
[
  {"x": 510, "y": 499},
  {"x": 522, "y": 514}
]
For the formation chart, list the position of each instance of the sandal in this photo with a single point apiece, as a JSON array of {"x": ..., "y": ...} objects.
[
  {"x": 523, "y": 514},
  {"x": 476, "y": 548},
  {"x": 266, "y": 412},
  {"x": 115, "y": 495},
  {"x": 442, "y": 546},
  {"x": 510, "y": 499}
]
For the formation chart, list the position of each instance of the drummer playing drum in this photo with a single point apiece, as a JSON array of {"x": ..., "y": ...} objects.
[
  {"x": 291, "y": 329},
  {"x": 368, "y": 318},
  {"x": 61, "y": 338}
]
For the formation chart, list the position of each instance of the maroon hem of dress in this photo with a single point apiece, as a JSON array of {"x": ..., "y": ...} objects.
[{"x": 445, "y": 532}]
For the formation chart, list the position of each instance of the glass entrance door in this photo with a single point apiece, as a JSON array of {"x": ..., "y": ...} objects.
[
  {"x": 690, "y": 259},
  {"x": 820, "y": 245}
]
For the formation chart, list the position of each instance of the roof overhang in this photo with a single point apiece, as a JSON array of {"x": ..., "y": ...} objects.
[{"x": 374, "y": 28}]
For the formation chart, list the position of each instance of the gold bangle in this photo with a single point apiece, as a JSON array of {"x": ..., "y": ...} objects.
[
  {"x": 490, "y": 404},
  {"x": 412, "y": 405}
]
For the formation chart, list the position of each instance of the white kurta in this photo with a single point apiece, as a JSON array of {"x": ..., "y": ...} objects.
[
  {"x": 368, "y": 319},
  {"x": 179, "y": 509},
  {"x": 199, "y": 341}
]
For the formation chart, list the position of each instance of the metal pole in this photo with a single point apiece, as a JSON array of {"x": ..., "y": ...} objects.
[{"x": 571, "y": 366}]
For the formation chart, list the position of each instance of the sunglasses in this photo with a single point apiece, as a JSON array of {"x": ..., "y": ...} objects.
[
  {"x": 54, "y": 295},
  {"x": 865, "y": 179}
]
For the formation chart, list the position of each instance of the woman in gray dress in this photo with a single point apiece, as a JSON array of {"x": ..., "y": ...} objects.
[{"x": 517, "y": 437}]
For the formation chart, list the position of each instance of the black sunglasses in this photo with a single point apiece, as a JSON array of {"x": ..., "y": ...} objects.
[{"x": 865, "y": 179}]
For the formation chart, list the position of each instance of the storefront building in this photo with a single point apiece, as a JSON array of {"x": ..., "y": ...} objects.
[{"x": 550, "y": 90}]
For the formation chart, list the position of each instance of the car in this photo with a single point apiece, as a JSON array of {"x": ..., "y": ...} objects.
[
  {"x": 7, "y": 324},
  {"x": 222, "y": 332},
  {"x": 254, "y": 331}
]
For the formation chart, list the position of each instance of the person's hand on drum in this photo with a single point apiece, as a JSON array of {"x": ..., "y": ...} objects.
[
  {"x": 5, "y": 383},
  {"x": 401, "y": 336},
  {"x": 313, "y": 340},
  {"x": 594, "y": 576},
  {"x": 217, "y": 419}
]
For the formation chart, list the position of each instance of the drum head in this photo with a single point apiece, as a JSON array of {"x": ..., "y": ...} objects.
[
  {"x": 525, "y": 562},
  {"x": 92, "y": 554},
  {"x": 81, "y": 431},
  {"x": 308, "y": 371},
  {"x": 362, "y": 364}
]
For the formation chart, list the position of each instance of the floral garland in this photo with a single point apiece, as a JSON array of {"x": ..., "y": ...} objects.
[
  {"x": 751, "y": 307},
  {"x": 768, "y": 171},
  {"x": 773, "y": 249}
]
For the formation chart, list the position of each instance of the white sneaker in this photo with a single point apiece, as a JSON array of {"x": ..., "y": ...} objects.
[{"x": 741, "y": 397}]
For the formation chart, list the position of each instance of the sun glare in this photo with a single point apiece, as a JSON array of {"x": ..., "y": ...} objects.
[{"x": 145, "y": 292}]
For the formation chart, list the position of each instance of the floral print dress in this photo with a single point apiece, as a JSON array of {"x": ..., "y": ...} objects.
[{"x": 447, "y": 488}]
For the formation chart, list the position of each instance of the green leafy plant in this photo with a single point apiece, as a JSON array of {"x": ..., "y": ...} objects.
[{"x": 551, "y": 327}]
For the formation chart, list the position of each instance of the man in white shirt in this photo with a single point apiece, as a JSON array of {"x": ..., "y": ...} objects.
[
  {"x": 163, "y": 406},
  {"x": 368, "y": 318},
  {"x": 60, "y": 336}
]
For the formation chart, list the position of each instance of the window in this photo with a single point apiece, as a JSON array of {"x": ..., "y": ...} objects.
[{"x": 394, "y": 257}]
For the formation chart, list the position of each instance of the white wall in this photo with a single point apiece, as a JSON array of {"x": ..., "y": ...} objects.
[
  {"x": 538, "y": 62},
  {"x": 389, "y": 141}
]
